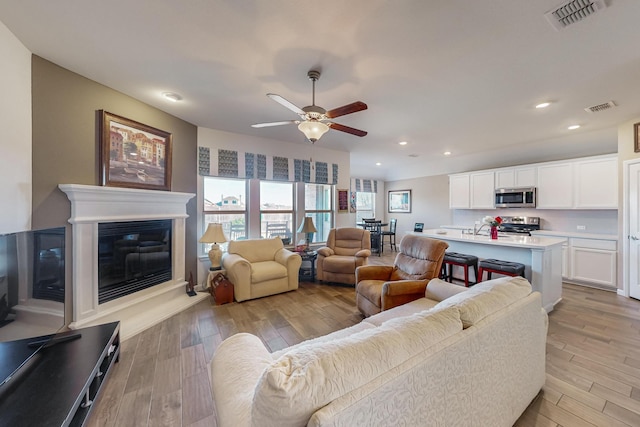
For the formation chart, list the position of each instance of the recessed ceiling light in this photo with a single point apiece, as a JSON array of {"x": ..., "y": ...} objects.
[
  {"x": 171, "y": 96},
  {"x": 402, "y": 142},
  {"x": 447, "y": 153},
  {"x": 573, "y": 127},
  {"x": 543, "y": 105},
  {"x": 378, "y": 164}
]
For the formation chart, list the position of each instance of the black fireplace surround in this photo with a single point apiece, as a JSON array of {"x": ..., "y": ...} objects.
[{"x": 132, "y": 256}]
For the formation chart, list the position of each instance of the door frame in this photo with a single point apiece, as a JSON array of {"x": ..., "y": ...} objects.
[{"x": 625, "y": 291}]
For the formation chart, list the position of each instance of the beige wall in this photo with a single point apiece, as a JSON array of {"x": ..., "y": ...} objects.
[
  {"x": 65, "y": 143},
  {"x": 429, "y": 202},
  {"x": 15, "y": 144}
]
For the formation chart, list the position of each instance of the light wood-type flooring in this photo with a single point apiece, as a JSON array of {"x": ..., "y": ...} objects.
[{"x": 162, "y": 379}]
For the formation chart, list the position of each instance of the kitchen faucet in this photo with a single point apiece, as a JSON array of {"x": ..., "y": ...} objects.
[{"x": 477, "y": 230}]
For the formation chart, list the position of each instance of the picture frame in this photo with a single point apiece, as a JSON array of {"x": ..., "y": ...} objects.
[
  {"x": 399, "y": 201},
  {"x": 343, "y": 201},
  {"x": 636, "y": 137},
  {"x": 133, "y": 154}
]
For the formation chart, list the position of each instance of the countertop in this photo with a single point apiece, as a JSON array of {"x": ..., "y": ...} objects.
[
  {"x": 526, "y": 242},
  {"x": 568, "y": 234}
]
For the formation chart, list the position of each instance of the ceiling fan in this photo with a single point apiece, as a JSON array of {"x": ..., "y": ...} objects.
[{"x": 314, "y": 119}]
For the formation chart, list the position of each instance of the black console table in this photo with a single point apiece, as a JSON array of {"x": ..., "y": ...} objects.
[{"x": 59, "y": 384}]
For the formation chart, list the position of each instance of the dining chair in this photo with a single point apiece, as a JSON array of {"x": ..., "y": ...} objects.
[
  {"x": 375, "y": 228},
  {"x": 392, "y": 234}
]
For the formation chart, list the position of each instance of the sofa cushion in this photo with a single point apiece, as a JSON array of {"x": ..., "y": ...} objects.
[
  {"x": 256, "y": 250},
  {"x": 309, "y": 377},
  {"x": 340, "y": 333},
  {"x": 267, "y": 270},
  {"x": 403, "y": 310},
  {"x": 340, "y": 264},
  {"x": 487, "y": 297},
  {"x": 439, "y": 290}
]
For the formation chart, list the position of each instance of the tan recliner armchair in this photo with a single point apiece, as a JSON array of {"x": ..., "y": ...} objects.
[
  {"x": 346, "y": 250},
  {"x": 261, "y": 267},
  {"x": 380, "y": 288}
]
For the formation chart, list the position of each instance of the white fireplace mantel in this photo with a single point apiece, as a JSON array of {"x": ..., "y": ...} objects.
[{"x": 91, "y": 205}]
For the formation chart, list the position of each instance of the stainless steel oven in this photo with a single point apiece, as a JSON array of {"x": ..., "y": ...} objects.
[{"x": 522, "y": 197}]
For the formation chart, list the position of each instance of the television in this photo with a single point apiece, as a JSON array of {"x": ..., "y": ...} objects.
[{"x": 32, "y": 295}]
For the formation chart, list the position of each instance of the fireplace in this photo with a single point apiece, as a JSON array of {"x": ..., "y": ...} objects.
[{"x": 134, "y": 254}]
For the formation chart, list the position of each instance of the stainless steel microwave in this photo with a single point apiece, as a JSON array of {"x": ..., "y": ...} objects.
[{"x": 523, "y": 197}]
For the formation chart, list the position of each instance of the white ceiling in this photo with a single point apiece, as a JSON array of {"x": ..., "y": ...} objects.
[{"x": 444, "y": 75}]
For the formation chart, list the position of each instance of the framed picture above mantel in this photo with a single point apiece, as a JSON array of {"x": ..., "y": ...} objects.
[
  {"x": 399, "y": 201},
  {"x": 133, "y": 154}
]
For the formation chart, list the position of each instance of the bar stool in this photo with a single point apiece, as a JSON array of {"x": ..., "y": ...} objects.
[
  {"x": 462, "y": 260},
  {"x": 506, "y": 268}
]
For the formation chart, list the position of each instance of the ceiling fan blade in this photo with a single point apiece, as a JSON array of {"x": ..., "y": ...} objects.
[
  {"x": 346, "y": 109},
  {"x": 264, "y": 125},
  {"x": 347, "y": 129},
  {"x": 280, "y": 100}
]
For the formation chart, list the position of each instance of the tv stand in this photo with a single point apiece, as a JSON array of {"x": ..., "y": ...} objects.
[
  {"x": 59, "y": 385},
  {"x": 50, "y": 342}
]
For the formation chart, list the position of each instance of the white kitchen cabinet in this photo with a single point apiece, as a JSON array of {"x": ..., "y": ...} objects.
[
  {"x": 555, "y": 186},
  {"x": 459, "y": 191},
  {"x": 522, "y": 176},
  {"x": 593, "y": 261},
  {"x": 588, "y": 259},
  {"x": 596, "y": 184},
  {"x": 482, "y": 195}
]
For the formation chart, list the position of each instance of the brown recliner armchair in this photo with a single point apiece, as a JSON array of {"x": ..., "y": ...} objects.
[
  {"x": 346, "y": 250},
  {"x": 380, "y": 288}
]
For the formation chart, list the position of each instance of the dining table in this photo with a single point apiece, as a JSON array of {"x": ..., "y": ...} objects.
[{"x": 376, "y": 238}]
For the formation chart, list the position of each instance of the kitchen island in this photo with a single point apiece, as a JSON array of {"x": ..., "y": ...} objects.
[{"x": 542, "y": 256}]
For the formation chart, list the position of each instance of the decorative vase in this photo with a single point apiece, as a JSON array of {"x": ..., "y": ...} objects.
[{"x": 494, "y": 233}]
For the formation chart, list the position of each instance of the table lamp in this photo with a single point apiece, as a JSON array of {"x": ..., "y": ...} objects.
[
  {"x": 215, "y": 235},
  {"x": 308, "y": 228}
]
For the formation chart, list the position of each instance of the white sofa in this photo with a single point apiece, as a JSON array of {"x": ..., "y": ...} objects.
[
  {"x": 457, "y": 357},
  {"x": 261, "y": 267}
]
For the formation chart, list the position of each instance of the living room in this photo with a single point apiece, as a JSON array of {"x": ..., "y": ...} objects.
[{"x": 49, "y": 114}]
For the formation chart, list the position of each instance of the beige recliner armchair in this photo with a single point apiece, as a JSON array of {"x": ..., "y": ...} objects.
[
  {"x": 261, "y": 267},
  {"x": 381, "y": 287},
  {"x": 346, "y": 250}
]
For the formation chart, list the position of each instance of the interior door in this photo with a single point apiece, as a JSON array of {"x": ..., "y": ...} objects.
[{"x": 633, "y": 197}]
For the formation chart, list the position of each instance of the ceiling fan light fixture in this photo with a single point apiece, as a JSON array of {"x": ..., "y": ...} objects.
[{"x": 313, "y": 130}]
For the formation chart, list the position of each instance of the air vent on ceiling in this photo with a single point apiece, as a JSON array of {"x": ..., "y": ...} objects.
[
  {"x": 600, "y": 107},
  {"x": 573, "y": 11}
]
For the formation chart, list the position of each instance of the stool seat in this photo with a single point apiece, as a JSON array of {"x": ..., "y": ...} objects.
[
  {"x": 460, "y": 258},
  {"x": 507, "y": 268},
  {"x": 463, "y": 260}
]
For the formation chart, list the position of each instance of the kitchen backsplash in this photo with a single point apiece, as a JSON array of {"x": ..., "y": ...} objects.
[{"x": 594, "y": 221}]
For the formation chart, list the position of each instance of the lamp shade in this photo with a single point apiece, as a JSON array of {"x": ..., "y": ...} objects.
[
  {"x": 307, "y": 226},
  {"x": 214, "y": 234},
  {"x": 313, "y": 129}
]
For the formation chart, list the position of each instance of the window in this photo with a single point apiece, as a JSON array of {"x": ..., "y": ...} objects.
[
  {"x": 225, "y": 203},
  {"x": 365, "y": 205},
  {"x": 276, "y": 210},
  {"x": 318, "y": 204}
]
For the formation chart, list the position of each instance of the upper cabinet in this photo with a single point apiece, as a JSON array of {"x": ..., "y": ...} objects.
[
  {"x": 555, "y": 186},
  {"x": 459, "y": 191},
  {"x": 589, "y": 183},
  {"x": 471, "y": 190},
  {"x": 482, "y": 195},
  {"x": 585, "y": 183},
  {"x": 519, "y": 176},
  {"x": 596, "y": 184}
]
